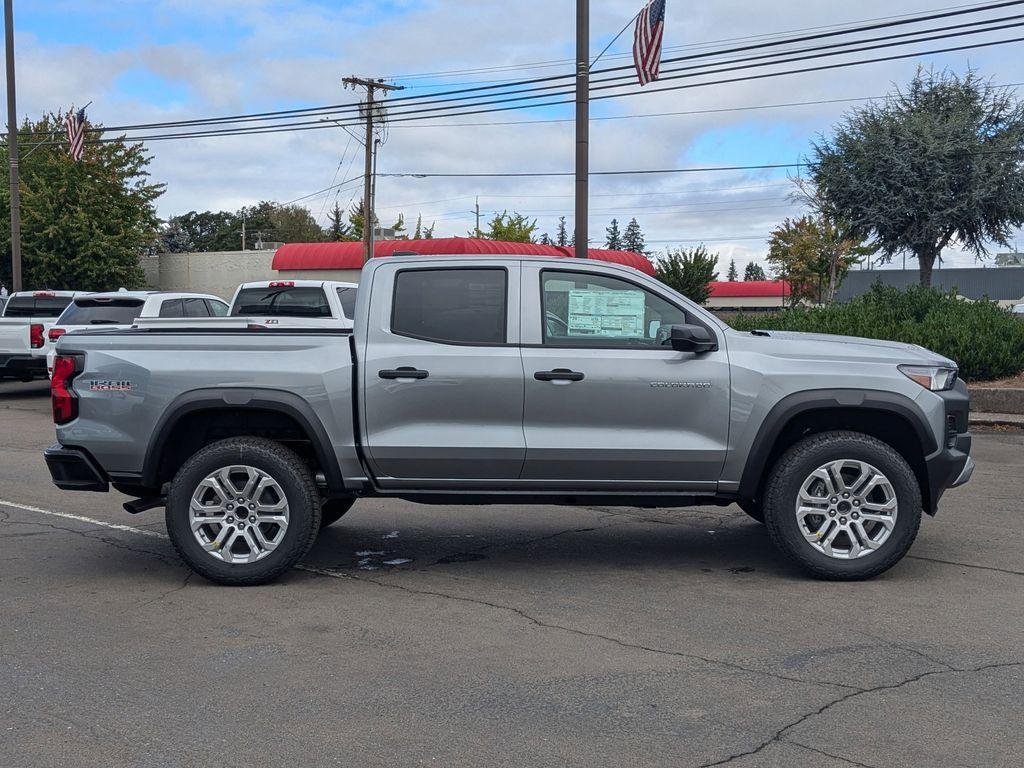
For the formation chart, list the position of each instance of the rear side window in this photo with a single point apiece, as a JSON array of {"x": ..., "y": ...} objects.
[
  {"x": 454, "y": 306},
  {"x": 102, "y": 312},
  {"x": 347, "y": 297},
  {"x": 195, "y": 308},
  {"x": 36, "y": 306},
  {"x": 281, "y": 302},
  {"x": 171, "y": 308}
]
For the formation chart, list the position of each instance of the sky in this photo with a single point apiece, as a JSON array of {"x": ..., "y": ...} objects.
[{"x": 158, "y": 60}]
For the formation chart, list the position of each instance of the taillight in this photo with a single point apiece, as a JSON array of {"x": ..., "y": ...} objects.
[
  {"x": 62, "y": 396},
  {"x": 35, "y": 336},
  {"x": 56, "y": 333}
]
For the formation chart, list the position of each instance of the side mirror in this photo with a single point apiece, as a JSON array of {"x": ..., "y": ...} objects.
[{"x": 692, "y": 338}]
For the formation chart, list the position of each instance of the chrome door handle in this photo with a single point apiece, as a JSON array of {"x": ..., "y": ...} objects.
[
  {"x": 559, "y": 374},
  {"x": 405, "y": 372}
]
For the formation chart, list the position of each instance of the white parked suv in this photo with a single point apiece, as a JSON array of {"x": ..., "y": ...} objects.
[{"x": 120, "y": 309}]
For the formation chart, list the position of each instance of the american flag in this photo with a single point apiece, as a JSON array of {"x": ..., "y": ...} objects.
[
  {"x": 650, "y": 25},
  {"x": 75, "y": 125}
]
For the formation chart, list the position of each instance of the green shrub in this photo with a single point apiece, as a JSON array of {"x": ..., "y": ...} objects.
[{"x": 986, "y": 341}]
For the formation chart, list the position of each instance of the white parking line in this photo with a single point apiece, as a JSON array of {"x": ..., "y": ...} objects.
[
  {"x": 82, "y": 519},
  {"x": 141, "y": 532}
]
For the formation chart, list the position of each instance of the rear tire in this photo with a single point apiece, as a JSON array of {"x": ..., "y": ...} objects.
[
  {"x": 869, "y": 501},
  {"x": 262, "y": 508},
  {"x": 332, "y": 510}
]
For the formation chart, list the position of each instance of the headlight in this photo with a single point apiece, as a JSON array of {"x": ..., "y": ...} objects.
[{"x": 937, "y": 378}]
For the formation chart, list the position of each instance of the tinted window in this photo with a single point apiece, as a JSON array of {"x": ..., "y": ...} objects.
[
  {"x": 102, "y": 312},
  {"x": 171, "y": 308},
  {"x": 281, "y": 302},
  {"x": 592, "y": 310},
  {"x": 36, "y": 306},
  {"x": 217, "y": 308},
  {"x": 460, "y": 306},
  {"x": 195, "y": 308},
  {"x": 347, "y": 297}
]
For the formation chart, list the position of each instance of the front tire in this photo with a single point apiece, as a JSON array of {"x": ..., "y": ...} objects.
[
  {"x": 843, "y": 505},
  {"x": 242, "y": 511}
]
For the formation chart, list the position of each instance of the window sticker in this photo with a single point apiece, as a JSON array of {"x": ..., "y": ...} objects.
[{"x": 607, "y": 314}]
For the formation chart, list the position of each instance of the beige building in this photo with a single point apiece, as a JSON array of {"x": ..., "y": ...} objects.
[{"x": 216, "y": 272}]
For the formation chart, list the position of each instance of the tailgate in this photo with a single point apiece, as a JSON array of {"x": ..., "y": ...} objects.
[{"x": 14, "y": 336}]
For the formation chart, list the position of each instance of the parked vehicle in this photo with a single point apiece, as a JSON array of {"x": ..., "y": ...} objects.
[
  {"x": 511, "y": 380},
  {"x": 1018, "y": 310},
  {"x": 312, "y": 303},
  {"x": 120, "y": 309},
  {"x": 27, "y": 317}
]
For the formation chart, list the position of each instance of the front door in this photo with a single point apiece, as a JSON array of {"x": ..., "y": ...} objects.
[
  {"x": 443, "y": 377},
  {"x": 608, "y": 405}
]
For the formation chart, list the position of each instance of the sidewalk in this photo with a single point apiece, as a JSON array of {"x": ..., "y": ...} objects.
[{"x": 997, "y": 419}]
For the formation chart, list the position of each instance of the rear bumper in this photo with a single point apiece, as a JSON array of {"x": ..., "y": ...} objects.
[
  {"x": 21, "y": 366},
  {"x": 73, "y": 469}
]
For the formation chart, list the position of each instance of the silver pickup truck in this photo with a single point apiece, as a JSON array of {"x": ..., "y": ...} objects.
[{"x": 513, "y": 380}]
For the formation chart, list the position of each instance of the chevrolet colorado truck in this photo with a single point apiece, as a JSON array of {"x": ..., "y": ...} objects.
[{"x": 514, "y": 380}]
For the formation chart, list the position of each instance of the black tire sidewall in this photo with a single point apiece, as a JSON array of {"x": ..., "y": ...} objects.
[
  {"x": 796, "y": 466},
  {"x": 285, "y": 468}
]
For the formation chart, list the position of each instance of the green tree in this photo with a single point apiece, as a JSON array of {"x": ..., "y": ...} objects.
[
  {"x": 293, "y": 224},
  {"x": 511, "y": 227},
  {"x": 338, "y": 231},
  {"x": 203, "y": 231},
  {"x": 733, "y": 275},
  {"x": 613, "y": 240},
  {"x": 633, "y": 237},
  {"x": 83, "y": 224},
  {"x": 545, "y": 239},
  {"x": 937, "y": 162},
  {"x": 561, "y": 236},
  {"x": 688, "y": 272},
  {"x": 813, "y": 256},
  {"x": 754, "y": 271}
]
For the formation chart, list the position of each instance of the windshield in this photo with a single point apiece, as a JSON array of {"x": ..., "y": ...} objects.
[
  {"x": 281, "y": 302},
  {"x": 102, "y": 312},
  {"x": 36, "y": 306}
]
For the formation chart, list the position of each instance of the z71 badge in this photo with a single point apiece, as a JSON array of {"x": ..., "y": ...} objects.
[{"x": 110, "y": 386}]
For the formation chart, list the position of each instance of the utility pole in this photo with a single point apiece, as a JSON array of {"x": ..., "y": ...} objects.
[
  {"x": 243, "y": 233},
  {"x": 371, "y": 86},
  {"x": 582, "y": 124},
  {"x": 12, "y": 148},
  {"x": 477, "y": 232}
]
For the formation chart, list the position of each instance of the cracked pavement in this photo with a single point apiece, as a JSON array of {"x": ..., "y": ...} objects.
[{"x": 513, "y": 636}]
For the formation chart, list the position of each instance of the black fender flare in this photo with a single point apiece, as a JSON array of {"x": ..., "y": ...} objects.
[
  {"x": 218, "y": 398},
  {"x": 793, "y": 405}
]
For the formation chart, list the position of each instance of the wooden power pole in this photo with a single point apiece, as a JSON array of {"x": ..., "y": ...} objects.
[
  {"x": 368, "y": 218},
  {"x": 582, "y": 125},
  {"x": 12, "y": 148}
]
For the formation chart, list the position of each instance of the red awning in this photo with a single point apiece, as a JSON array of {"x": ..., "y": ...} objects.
[
  {"x": 749, "y": 289},
  {"x": 300, "y": 256}
]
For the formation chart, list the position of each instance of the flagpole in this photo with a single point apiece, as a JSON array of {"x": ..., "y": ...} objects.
[
  {"x": 12, "y": 148},
  {"x": 582, "y": 124}
]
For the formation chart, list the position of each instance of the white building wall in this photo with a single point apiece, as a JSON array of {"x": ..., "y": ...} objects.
[{"x": 216, "y": 272}]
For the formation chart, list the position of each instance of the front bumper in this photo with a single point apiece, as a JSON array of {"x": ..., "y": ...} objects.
[
  {"x": 73, "y": 469},
  {"x": 951, "y": 465}
]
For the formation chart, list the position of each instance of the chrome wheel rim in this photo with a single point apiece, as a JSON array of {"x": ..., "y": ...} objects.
[
  {"x": 238, "y": 514},
  {"x": 846, "y": 509}
]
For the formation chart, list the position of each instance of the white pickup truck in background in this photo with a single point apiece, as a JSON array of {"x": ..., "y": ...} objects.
[
  {"x": 312, "y": 303},
  {"x": 27, "y": 318},
  {"x": 121, "y": 309}
]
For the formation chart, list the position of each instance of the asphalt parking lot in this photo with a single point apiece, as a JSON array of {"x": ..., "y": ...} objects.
[{"x": 504, "y": 636}]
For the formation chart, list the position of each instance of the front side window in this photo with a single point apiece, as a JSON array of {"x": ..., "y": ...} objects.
[
  {"x": 451, "y": 306},
  {"x": 583, "y": 309},
  {"x": 217, "y": 308}
]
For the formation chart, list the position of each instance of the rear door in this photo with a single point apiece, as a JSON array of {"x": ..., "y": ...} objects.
[
  {"x": 607, "y": 405},
  {"x": 442, "y": 376}
]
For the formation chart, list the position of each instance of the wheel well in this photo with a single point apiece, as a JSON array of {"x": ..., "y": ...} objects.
[
  {"x": 199, "y": 428},
  {"x": 891, "y": 428}
]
